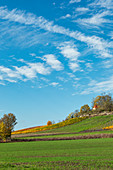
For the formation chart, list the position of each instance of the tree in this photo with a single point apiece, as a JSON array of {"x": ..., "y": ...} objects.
[
  {"x": 9, "y": 121},
  {"x": 103, "y": 102},
  {"x": 84, "y": 109},
  {"x": 71, "y": 115},
  {"x": 49, "y": 123},
  {"x": 3, "y": 131},
  {"x": 76, "y": 113}
]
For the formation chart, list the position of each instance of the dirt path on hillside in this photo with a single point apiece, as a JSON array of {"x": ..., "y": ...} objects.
[
  {"x": 52, "y": 134},
  {"x": 95, "y": 136}
]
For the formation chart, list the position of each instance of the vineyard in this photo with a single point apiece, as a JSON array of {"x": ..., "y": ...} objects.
[{"x": 46, "y": 127}]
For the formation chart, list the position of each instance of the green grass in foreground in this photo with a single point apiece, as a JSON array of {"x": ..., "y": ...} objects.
[{"x": 71, "y": 154}]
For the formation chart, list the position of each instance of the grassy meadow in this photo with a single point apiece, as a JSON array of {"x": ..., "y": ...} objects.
[
  {"x": 62, "y": 154},
  {"x": 71, "y": 154}
]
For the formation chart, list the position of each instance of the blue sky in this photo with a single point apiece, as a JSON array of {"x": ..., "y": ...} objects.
[{"x": 54, "y": 57}]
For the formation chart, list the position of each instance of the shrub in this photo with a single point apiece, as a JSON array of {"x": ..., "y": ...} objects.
[{"x": 49, "y": 123}]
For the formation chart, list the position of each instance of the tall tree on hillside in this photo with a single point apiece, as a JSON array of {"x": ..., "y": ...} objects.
[
  {"x": 84, "y": 109},
  {"x": 104, "y": 102}
]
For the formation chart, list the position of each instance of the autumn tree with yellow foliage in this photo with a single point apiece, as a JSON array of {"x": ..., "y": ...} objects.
[
  {"x": 103, "y": 102},
  {"x": 7, "y": 124},
  {"x": 84, "y": 109}
]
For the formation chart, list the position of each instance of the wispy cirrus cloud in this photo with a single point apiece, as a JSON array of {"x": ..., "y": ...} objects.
[
  {"x": 96, "y": 20},
  {"x": 74, "y": 1},
  {"x": 21, "y": 35},
  {"x": 107, "y": 63},
  {"x": 31, "y": 30},
  {"x": 111, "y": 34},
  {"x": 97, "y": 44},
  {"x": 98, "y": 87},
  {"x": 102, "y": 3},
  {"x": 82, "y": 9},
  {"x": 69, "y": 51},
  {"x": 89, "y": 65}
]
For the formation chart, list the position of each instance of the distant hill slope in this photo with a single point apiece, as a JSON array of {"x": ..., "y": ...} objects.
[
  {"x": 54, "y": 126},
  {"x": 93, "y": 123},
  {"x": 28, "y": 128}
]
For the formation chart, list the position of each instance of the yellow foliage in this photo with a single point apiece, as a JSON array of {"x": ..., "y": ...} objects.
[
  {"x": 3, "y": 131},
  {"x": 109, "y": 127},
  {"x": 84, "y": 108}
]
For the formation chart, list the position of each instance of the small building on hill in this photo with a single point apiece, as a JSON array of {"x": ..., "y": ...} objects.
[{"x": 95, "y": 107}]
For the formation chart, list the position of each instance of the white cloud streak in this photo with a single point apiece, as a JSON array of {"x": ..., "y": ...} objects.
[
  {"x": 54, "y": 84},
  {"x": 53, "y": 62},
  {"x": 66, "y": 16},
  {"x": 69, "y": 50},
  {"x": 96, "y": 20},
  {"x": 97, "y": 87},
  {"x": 97, "y": 44},
  {"x": 89, "y": 65},
  {"x": 28, "y": 71},
  {"x": 82, "y": 9},
  {"x": 74, "y": 66},
  {"x": 103, "y": 4},
  {"x": 10, "y": 73},
  {"x": 74, "y": 1}
]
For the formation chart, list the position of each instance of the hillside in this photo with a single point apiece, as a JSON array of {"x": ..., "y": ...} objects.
[
  {"x": 54, "y": 126},
  {"x": 93, "y": 123}
]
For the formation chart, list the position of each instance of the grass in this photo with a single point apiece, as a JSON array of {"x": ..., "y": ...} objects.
[
  {"x": 72, "y": 154},
  {"x": 93, "y": 123}
]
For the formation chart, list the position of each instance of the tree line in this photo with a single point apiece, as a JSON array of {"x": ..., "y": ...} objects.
[{"x": 101, "y": 103}]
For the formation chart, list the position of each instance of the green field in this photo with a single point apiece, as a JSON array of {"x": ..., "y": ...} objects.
[
  {"x": 93, "y": 123},
  {"x": 63, "y": 154},
  {"x": 97, "y": 122},
  {"x": 71, "y": 154}
]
